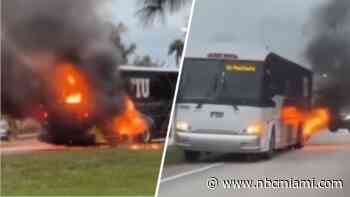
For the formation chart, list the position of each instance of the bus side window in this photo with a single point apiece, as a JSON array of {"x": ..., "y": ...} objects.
[
  {"x": 293, "y": 88},
  {"x": 306, "y": 92}
]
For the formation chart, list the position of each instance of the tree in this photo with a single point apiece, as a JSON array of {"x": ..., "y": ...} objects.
[
  {"x": 145, "y": 60},
  {"x": 126, "y": 51},
  {"x": 176, "y": 47},
  {"x": 152, "y": 9}
]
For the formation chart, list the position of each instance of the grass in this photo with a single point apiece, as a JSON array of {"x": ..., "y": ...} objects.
[
  {"x": 174, "y": 156},
  {"x": 84, "y": 172}
]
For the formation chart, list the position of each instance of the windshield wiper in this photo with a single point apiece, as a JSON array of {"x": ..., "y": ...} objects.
[{"x": 219, "y": 85}]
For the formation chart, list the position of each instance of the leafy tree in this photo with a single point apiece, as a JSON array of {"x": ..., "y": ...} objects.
[
  {"x": 176, "y": 47},
  {"x": 145, "y": 60},
  {"x": 153, "y": 9},
  {"x": 126, "y": 51}
]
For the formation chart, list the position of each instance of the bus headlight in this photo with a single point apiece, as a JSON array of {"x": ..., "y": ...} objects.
[
  {"x": 255, "y": 129},
  {"x": 182, "y": 126}
]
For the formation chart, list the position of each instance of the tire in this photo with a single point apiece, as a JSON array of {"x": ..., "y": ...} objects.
[
  {"x": 301, "y": 140},
  {"x": 5, "y": 138},
  {"x": 55, "y": 137},
  {"x": 146, "y": 137},
  {"x": 333, "y": 128},
  {"x": 192, "y": 156},
  {"x": 269, "y": 154},
  {"x": 86, "y": 140}
]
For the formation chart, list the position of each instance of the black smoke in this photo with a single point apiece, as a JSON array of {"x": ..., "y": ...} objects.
[
  {"x": 329, "y": 53},
  {"x": 37, "y": 35}
]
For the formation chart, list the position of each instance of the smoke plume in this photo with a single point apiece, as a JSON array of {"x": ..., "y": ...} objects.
[
  {"x": 37, "y": 34},
  {"x": 329, "y": 53}
]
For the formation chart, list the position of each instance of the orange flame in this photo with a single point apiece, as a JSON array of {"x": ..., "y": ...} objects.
[
  {"x": 313, "y": 121},
  {"x": 292, "y": 116},
  {"x": 137, "y": 147},
  {"x": 131, "y": 122},
  {"x": 71, "y": 88},
  {"x": 73, "y": 98},
  {"x": 71, "y": 79},
  {"x": 317, "y": 120}
]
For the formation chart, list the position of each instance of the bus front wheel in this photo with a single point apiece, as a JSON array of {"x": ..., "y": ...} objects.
[
  {"x": 333, "y": 128},
  {"x": 270, "y": 152}
]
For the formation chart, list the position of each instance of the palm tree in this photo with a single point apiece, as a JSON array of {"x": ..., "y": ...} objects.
[
  {"x": 145, "y": 60},
  {"x": 126, "y": 51},
  {"x": 152, "y": 9},
  {"x": 176, "y": 47}
]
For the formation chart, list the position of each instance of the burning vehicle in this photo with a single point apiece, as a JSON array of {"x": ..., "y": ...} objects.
[
  {"x": 62, "y": 68},
  {"x": 146, "y": 101},
  {"x": 74, "y": 104}
]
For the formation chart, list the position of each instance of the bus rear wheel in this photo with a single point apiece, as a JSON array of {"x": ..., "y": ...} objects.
[
  {"x": 192, "y": 156},
  {"x": 301, "y": 139},
  {"x": 146, "y": 137}
]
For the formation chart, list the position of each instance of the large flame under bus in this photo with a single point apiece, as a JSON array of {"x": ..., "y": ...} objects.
[
  {"x": 236, "y": 106},
  {"x": 145, "y": 103}
]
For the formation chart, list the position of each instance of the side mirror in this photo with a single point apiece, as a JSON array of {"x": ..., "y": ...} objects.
[
  {"x": 269, "y": 98},
  {"x": 278, "y": 100}
]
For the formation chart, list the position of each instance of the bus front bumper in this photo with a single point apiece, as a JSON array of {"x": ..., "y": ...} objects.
[{"x": 218, "y": 142}]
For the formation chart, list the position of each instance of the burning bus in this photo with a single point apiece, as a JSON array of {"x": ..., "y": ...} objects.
[
  {"x": 77, "y": 90},
  {"x": 243, "y": 106},
  {"x": 62, "y": 68},
  {"x": 144, "y": 109},
  {"x": 153, "y": 90}
]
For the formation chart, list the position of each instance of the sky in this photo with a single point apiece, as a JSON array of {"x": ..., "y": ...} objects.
[
  {"x": 251, "y": 28},
  {"x": 152, "y": 40}
]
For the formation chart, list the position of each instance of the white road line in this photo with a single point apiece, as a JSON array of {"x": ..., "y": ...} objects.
[{"x": 190, "y": 172}]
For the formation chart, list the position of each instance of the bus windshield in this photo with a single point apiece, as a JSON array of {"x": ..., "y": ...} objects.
[
  {"x": 220, "y": 81},
  {"x": 200, "y": 78}
]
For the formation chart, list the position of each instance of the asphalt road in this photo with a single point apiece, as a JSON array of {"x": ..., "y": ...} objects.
[{"x": 326, "y": 156}]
